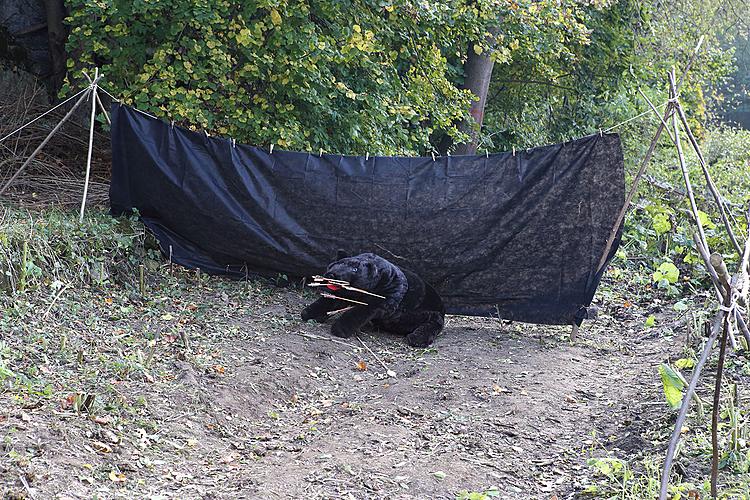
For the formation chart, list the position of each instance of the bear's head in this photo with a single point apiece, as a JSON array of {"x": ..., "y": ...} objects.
[{"x": 359, "y": 271}]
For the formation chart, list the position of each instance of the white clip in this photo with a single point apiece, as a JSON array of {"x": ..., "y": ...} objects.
[
  {"x": 514, "y": 151},
  {"x": 601, "y": 134},
  {"x": 172, "y": 123},
  {"x": 433, "y": 155},
  {"x": 321, "y": 153},
  {"x": 270, "y": 152},
  {"x": 448, "y": 153},
  {"x": 234, "y": 143},
  {"x": 367, "y": 156},
  {"x": 206, "y": 132},
  {"x": 487, "y": 151}
]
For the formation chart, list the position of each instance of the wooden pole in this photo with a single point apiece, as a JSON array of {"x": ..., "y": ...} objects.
[
  {"x": 45, "y": 141},
  {"x": 647, "y": 158},
  {"x": 633, "y": 188},
  {"x": 683, "y": 167},
  {"x": 709, "y": 180},
  {"x": 715, "y": 329},
  {"x": 717, "y": 402},
  {"x": 91, "y": 144},
  {"x": 101, "y": 106}
]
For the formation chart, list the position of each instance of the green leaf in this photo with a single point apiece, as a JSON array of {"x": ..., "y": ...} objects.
[
  {"x": 672, "y": 385},
  {"x": 666, "y": 271},
  {"x": 650, "y": 321},
  {"x": 439, "y": 474},
  {"x": 680, "y": 306},
  {"x": 683, "y": 363}
]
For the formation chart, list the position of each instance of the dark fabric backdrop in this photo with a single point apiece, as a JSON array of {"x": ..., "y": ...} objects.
[{"x": 516, "y": 235}]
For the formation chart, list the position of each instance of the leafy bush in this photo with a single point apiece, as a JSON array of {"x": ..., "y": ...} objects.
[{"x": 53, "y": 248}]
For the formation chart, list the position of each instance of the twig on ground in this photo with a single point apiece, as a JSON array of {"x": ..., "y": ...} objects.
[
  {"x": 330, "y": 339},
  {"x": 54, "y": 299},
  {"x": 388, "y": 371}
]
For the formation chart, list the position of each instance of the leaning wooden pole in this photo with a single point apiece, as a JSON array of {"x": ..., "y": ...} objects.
[
  {"x": 647, "y": 158},
  {"x": 91, "y": 144},
  {"x": 45, "y": 141},
  {"x": 682, "y": 415},
  {"x": 683, "y": 167},
  {"x": 709, "y": 180}
]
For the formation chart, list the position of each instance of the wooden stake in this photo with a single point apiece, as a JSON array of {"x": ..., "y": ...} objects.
[
  {"x": 717, "y": 404},
  {"x": 142, "y": 279},
  {"x": 574, "y": 332},
  {"x": 646, "y": 159},
  {"x": 45, "y": 141},
  {"x": 91, "y": 145}
]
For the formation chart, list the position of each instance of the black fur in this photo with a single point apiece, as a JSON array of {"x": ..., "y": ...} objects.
[{"x": 411, "y": 307}]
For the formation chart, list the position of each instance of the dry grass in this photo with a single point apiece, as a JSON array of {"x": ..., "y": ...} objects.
[{"x": 55, "y": 176}]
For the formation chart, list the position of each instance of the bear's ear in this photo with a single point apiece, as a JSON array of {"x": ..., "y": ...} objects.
[{"x": 341, "y": 255}]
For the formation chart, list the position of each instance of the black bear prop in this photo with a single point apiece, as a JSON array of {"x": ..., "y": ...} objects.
[{"x": 409, "y": 306}]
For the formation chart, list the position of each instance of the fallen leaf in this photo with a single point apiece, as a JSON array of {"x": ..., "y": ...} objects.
[
  {"x": 361, "y": 366},
  {"x": 627, "y": 303},
  {"x": 167, "y": 317},
  {"x": 116, "y": 478},
  {"x": 439, "y": 474},
  {"x": 101, "y": 447},
  {"x": 25, "y": 417},
  {"x": 219, "y": 369},
  {"x": 108, "y": 300},
  {"x": 101, "y": 420}
]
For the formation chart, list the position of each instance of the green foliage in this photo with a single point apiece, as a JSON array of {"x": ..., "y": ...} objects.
[
  {"x": 344, "y": 77},
  {"x": 492, "y": 492},
  {"x": 381, "y": 76},
  {"x": 53, "y": 248},
  {"x": 673, "y": 385}
]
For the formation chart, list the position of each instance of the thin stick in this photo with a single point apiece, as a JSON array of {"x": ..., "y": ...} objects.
[
  {"x": 656, "y": 112},
  {"x": 629, "y": 197},
  {"x": 683, "y": 167},
  {"x": 54, "y": 299},
  {"x": 709, "y": 180},
  {"x": 347, "y": 287},
  {"x": 331, "y": 296},
  {"x": 716, "y": 328},
  {"x": 101, "y": 106},
  {"x": 715, "y": 412},
  {"x": 331, "y": 313},
  {"x": 329, "y": 280},
  {"x": 696, "y": 51},
  {"x": 646, "y": 159},
  {"x": 330, "y": 339},
  {"x": 91, "y": 146},
  {"x": 45, "y": 141},
  {"x": 388, "y": 371}
]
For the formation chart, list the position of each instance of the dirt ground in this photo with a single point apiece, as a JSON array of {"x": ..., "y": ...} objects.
[{"x": 215, "y": 389}]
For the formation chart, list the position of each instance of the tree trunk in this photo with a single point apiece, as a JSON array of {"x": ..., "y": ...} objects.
[
  {"x": 58, "y": 35},
  {"x": 478, "y": 71}
]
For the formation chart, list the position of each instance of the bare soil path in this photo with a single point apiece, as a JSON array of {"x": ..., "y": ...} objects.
[{"x": 261, "y": 405}]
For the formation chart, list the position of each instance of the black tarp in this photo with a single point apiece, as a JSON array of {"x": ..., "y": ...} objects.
[{"x": 516, "y": 235}]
